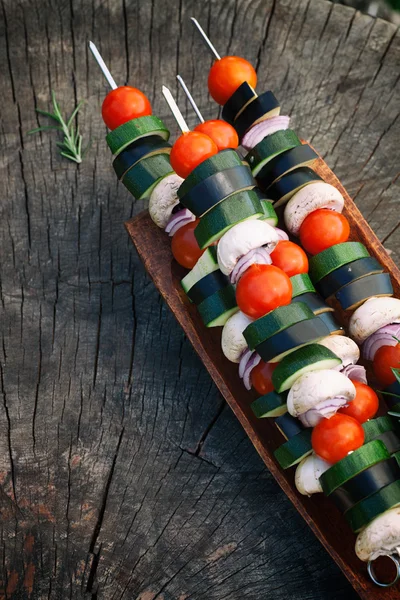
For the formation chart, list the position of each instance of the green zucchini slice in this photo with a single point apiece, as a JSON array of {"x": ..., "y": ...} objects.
[
  {"x": 270, "y": 405},
  {"x": 294, "y": 450},
  {"x": 375, "y": 427},
  {"x": 235, "y": 209},
  {"x": 333, "y": 326},
  {"x": 301, "y": 284},
  {"x": 309, "y": 358},
  {"x": 257, "y": 110},
  {"x": 275, "y": 348},
  {"x": 347, "y": 273},
  {"x": 207, "y": 263},
  {"x": 281, "y": 318},
  {"x": 365, "y": 511},
  {"x": 207, "y": 286},
  {"x": 332, "y": 258},
  {"x": 153, "y": 144},
  {"x": 269, "y": 147},
  {"x": 269, "y": 215},
  {"x": 143, "y": 177},
  {"x": 216, "y": 309},
  {"x": 300, "y": 156},
  {"x": 364, "y": 457},
  {"x": 391, "y": 440},
  {"x": 288, "y": 426},
  {"x": 352, "y": 295},
  {"x": 133, "y": 130},
  {"x": 282, "y": 190},
  {"x": 238, "y": 101},
  {"x": 314, "y": 302},
  {"x": 226, "y": 159},
  {"x": 365, "y": 484},
  {"x": 209, "y": 192}
]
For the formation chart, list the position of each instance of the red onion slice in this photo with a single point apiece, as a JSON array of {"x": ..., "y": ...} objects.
[
  {"x": 355, "y": 373},
  {"x": 323, "y": 410},
  {"x": 244, "y": 359},
  {"x": 261, "y": 130},
  {"x": 382, "y": 337},
  {"x": 249, "y": 360},
  {"x": 178, "y": 220},
  {"x": 283, "y": 236},
  {"x": 259, "y": 256}
]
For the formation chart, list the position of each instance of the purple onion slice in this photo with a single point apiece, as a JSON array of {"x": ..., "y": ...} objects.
[
  {"x": 323, "y": 410},
  {"x": 283, "y": 236},
  {"x": 253, "y": 362},
  {"x": 261, "y": 130},
  {"x": 259, "y": 256},
  {"x": 355, "y": 373},
  {"x": 178, "y": 220},
  {"x": 383, "y": 337}
]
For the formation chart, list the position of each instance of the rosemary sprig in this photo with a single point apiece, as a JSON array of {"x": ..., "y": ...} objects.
[{"x": 71, "y": 146}]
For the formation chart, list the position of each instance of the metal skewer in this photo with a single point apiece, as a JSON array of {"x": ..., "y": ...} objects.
[
  {"x": 103, "y": 66},
  {"x": 205, "y": 38},
  {"x": 190, "y": 98},
  {"x": 175, "y": 110}
]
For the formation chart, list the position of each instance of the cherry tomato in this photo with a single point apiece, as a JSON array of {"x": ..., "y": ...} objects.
[
  {"x": 227, "y": 74},
  {"x": 289, "y": 257},
  {"x": 261, "y": 377},
  {"x": 261, "y": 289},
  {"x": 322, "y": 229},
  {"x": 332, "y": 439},
  {"x": 123, "y": 104},
  {"x": 184, "y": 245},
  {"x": 364, "y": 406},
  {"x": 223, "y": 134},
  {"x": 189, "y": 150},
  {"x": 386, "y": 358}
]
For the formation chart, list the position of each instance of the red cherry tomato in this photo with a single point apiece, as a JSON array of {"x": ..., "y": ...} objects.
[
  {"x": 223, "y": 134},
  {"x": 189, "y": 150},
  {"x": 289, "y": 257},
  {"x": 184, "y": 245},
  {"x": 332, "y": 439},
  {"x": 261, "y": 289},
  {"x": 261, "y": 377},
  {"x": 123, "y": 104},
  {"x": 364, "y": 406},
  {"x": 386, "y": 358},
  {"x": 227, "y": 74},
  {"x": 322, "y": 229}
]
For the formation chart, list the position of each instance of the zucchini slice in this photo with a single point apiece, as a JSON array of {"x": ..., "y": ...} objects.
[
  {"x": 257, "y": 110},
  {"x": 375, "y": 427},
  {"x": 277, "y": 320},
  {"x": 391, "y": 440},
  {"x": 143, "y": 177},
  {"x": 309, "y": 358},
  {"x": 313, "y": 301},
  {"x": 294, "y": 450},
  {"x": 269, "y": 147},
  {"x": 333, "y": 258},
  {"x": 365, "y": 511},
  {"x": 226, "y": 159},
  {"x": 300, "y": 156},
  {"x": 216, "y": 309},
  {"x": 153, "y": 144},
  {"x": 275, "y": 348},
  {"x": 289, "y": 426},
  {"x": 235, "y": 209},
  {"x": 133, "y": 130},
  {"x": 209, "y": 192},
  {"x": 352, "y": 295},
  {"x": 207, "y": 286},
  {"x": 238, "y": 102},
  {"x": 364, "y": 457},
  {"x": 269, "y": 215},
  {"x": 207, "y": 263},
  {"x": 347, "y": 273},
  {"x": 301, "y": 284},
  {"x": 270, "y": 405},
  {"x": 333, "y": 326},
  {"x": 366, "y": 483},
  {"x": 282, "y": 190}
]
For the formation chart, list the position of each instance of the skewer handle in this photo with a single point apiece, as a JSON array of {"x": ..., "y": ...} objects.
[
  {"x": 175, "y": 110},
  {"x": 103, "y": 66},
  {"x": 205, "y": 38},
  {"x": 190, "y": 98}
]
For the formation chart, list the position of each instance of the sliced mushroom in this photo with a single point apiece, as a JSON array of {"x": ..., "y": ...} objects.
[
  {"x": 232, "y": 341},
  {"x": 308, "y": 473},
  {"x": 372, "y": 315},
  {"x": 305, "y": 201},
  {"x": 163, "y": 199},
  {"x": 242, "y": 238},
  {"x": 381, "y": 537},
  {"x": 344, "y": 347}
]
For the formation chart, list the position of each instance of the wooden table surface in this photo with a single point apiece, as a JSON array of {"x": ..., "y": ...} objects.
[{"x": 122, "y": 473}]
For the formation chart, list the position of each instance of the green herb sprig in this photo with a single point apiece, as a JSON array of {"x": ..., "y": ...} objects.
[{"x": 71, "y": 146}]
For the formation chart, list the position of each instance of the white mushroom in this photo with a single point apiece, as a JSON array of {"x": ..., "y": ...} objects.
[
  {"x": 309, "y": 198},
  {"x": 372, "y": 315},
  {"x": 242, "y": 238},
  {"x": 163, "y": 199},
  {"x": 344, "y": 347},
  {"x": 308, "y": 473},
  {"x": 319, "y": 394},
  {"x": 232, "y": 341},
  {"x": 381, "y": 537}
]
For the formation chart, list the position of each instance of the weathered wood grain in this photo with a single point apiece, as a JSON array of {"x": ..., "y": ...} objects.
[{"x": 122, "y": 473}]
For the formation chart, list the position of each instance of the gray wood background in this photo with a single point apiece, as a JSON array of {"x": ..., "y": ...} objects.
[{"x": 122, "y": 473}]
